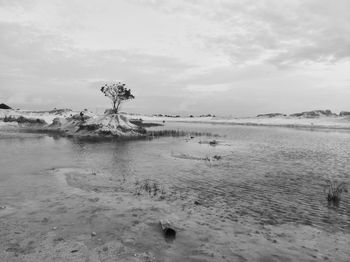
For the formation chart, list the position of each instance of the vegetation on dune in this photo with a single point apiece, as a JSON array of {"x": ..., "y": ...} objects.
[{"x": 22, "y": 120}]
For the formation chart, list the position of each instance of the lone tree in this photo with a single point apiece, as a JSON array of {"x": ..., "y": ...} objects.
[{"x": 117, "y": 93}]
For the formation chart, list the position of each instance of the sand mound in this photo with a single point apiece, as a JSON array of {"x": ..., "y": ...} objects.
[{"x": 110, "y": 125}]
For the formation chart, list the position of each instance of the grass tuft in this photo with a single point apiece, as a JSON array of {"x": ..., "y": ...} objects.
[
  {"x": 152, "y": 188},
  {"x": 178, "y": 133},
  {"x": 334, "y": 191}
]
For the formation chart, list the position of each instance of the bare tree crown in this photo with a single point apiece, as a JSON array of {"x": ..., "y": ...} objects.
[{"x": 118, "y": 93}]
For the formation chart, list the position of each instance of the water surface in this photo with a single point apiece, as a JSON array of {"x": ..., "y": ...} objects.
[{"x": 269, "y": 175}]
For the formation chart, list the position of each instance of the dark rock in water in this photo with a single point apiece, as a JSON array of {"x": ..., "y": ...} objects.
[
  {"x": 344, "y": 113},
  {"x": 314, "y": 114},
  {"x": 271, "y": 115},
  {"x": 3, "y": 106},
  {"x": 213, "y": 142},
  {"x": 168, "y": 230},
  {"x": 217, "y": 157}
]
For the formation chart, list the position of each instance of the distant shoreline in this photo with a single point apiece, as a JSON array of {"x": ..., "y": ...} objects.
[{"x": 322, "y": 122}]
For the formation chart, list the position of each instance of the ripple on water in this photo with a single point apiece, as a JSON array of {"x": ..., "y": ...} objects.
[{"x": 272, "y": 175}]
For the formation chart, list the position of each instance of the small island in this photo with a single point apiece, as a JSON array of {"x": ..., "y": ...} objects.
[{"x": 80, "y": 124}]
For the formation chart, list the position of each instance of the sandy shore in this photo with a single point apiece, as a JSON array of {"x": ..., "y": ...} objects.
[
  {"x": 88, "y": 215},
  {"x": 322, "y": 122},
  {"x": 332, "y": 122}
]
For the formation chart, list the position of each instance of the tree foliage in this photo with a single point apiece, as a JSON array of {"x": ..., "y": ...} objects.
[{"x": 118, "y": 93}]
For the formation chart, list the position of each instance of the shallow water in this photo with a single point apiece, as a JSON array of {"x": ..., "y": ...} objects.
[{"x": 269, "y": 175}]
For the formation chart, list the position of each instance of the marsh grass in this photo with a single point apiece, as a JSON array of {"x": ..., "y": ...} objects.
[
  {"x": 140, "y": 123},
  {"x": 207, "y": 158},
  {"x": 149, "y": 135},
  {"x": 152, "y": 188},
  {"x": 178, "y": 133},
  {"x": 334, "y": 191}
]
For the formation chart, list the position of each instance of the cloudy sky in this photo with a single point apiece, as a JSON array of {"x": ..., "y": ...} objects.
[{"x": 224, "y": 57}]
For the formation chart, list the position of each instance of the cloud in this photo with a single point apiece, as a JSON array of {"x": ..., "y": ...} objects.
[
  {"x": 270, "y": 31},
  {"x": 236, "y": 56},
  {"x": 208, "y": 89},
  {"x": 41, "y": 64}
]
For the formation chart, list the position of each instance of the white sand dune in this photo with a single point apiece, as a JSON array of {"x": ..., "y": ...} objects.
[
  {"x": 69, "y": 122},
  {"x": 331, "y": 122}
]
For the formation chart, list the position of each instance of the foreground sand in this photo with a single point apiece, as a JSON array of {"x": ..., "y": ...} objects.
[{"x": 88, "y": 215}]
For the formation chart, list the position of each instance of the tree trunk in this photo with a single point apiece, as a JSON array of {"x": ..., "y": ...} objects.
[{"x": 117, "y": 109}]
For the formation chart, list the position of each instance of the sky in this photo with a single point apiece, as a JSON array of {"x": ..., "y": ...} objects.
[{"x": 225, "y": 57}]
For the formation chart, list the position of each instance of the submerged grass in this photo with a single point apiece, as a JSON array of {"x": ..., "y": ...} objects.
[
  {"x": 334, "y": 191},
  {"x": 152, "y": 188}
]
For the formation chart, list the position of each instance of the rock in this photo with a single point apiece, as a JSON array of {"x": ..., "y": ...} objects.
[
  {"x": 217, "y": 157},
  {"x": 83, "y": 116},
  {"x": 168, "y": 229},
  {"x": 93, "y": 234},
  {"x": 213, "y": 142},
  {"x": 3, "y": 106},
  {"x": 269, "y": 115}
]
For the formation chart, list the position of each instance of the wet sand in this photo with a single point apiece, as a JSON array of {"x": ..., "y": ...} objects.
[{"x": 89, "y": 215}]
